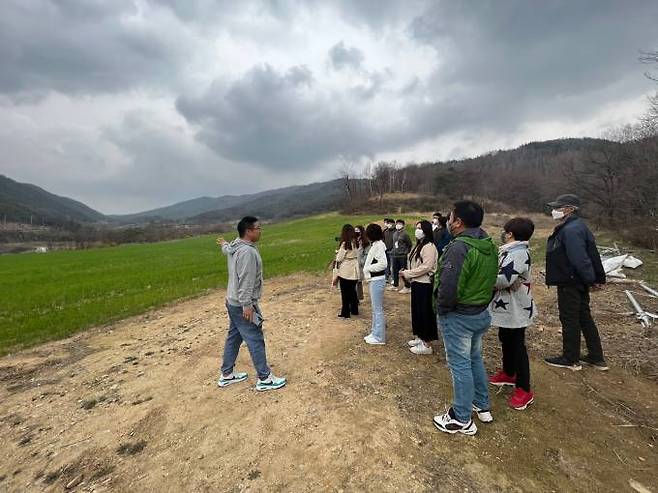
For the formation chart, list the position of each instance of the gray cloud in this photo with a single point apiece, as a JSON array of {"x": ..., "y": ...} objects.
[
  {"x": 171, "y": 99},
  {"x": 342, "y": 56},
  {"x": 504, "y": 64},
  {"x": 273, "y": 119},
  {"x": 84, "y": 47}
]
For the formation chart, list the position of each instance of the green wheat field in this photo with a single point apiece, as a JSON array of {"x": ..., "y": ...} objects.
[{"x": 45, "y": 297}]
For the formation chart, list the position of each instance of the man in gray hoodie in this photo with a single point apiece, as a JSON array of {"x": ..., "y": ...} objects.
[{"x": 245, "y": 286}]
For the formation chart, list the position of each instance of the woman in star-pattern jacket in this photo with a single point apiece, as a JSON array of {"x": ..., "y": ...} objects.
[{"x": 513, "y": 309}]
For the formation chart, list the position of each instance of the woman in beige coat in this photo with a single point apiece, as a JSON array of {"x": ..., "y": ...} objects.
[
  {"x": 423, "y": 261},
  {"x": 347, "y": 264}
]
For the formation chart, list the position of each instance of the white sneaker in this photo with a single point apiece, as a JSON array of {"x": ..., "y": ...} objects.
[
  {"x": 405, "y": 291},
  {"x": 391, "y": 288},
  {"x": 484, "y": 415},
  {"x": 270, "y": 383},
  {"x": 370, "y": 339},
  {"x": 447, "y": 424},
  {"x": 421, "y": 349},
  {"x": 414, "y": 342},
  {"x": 234, "y": 377}
]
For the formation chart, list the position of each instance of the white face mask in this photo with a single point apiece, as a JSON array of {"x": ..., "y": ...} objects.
[
  {"x": 398, "y": 227},
  {"x": 419, "y": 234},
  {"x": 557, "y": 215}
]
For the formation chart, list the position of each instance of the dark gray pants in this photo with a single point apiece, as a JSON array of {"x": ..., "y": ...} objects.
[{"x": 399, "y": 263}]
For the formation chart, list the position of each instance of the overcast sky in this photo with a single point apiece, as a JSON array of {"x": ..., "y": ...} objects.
[{"x": 128, "y": 105}]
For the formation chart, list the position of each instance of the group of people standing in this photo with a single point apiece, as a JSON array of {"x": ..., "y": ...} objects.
[
  {"x": 463, "y": 284},
  {"x": 460, "y": 283},
  {"x": 379, "y": 256}
]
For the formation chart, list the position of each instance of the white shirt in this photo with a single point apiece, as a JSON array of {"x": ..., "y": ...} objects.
[{"x": 377, "y": 252}]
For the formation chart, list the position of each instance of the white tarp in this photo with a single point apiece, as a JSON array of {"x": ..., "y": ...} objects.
[{"x": 613, "y": 265}]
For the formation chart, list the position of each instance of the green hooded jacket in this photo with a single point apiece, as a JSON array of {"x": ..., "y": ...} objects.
[{"x": 467, "y": 274}]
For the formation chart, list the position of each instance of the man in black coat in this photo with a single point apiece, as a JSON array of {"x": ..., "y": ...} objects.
[{"x": 573, "y": 264}]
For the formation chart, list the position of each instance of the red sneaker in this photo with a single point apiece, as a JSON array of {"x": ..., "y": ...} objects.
[
  {"x": 520, "y": 399},
  {"x": 501, "y": 378}
]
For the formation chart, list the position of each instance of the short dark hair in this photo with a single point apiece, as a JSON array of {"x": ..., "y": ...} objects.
[
  {"x": 374, "y": 232},
  {"x": 443, "y": 221},
  {"x": 400, "y": 221},
  {"x": 469, "y": 212},
  {"x": 389, "y": 220},
  {"x": 521, "y": 227},
  {"x": 246, "y": 223},
  {"x": 437, "y": 214}
]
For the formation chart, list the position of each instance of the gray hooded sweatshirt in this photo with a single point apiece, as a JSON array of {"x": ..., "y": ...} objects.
[{"x": 245, "y": 273}]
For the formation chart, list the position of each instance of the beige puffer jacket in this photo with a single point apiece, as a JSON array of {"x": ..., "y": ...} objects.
[
  {"x": 348, "y": 263},
  {"x": 421, "y": 269}
]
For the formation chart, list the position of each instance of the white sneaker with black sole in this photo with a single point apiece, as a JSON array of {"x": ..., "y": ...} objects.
[
  {"x": 270, "y": 383},
  {"x": 484, "y": 415},
  {"x": 447, "y": 424},
  {"x": 234, "y": 377}
]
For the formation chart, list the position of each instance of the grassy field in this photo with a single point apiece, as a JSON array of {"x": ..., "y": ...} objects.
[{"x": 50, "y": 296}]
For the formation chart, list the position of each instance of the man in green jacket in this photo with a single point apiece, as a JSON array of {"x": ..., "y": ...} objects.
[{"x": 464, "y": 287}]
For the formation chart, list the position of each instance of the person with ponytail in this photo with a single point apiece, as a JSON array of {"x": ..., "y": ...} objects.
[{"x": 423, "y": 261}]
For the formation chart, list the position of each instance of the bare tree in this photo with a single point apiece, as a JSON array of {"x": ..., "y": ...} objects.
[
  {"x": 649, "y": 57},
  {"x": 346, "y": 175},
  {"x": 381, "y": 178}
]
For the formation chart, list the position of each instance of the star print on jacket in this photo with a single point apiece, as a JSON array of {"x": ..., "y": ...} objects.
[
  {"x": 530, "y": 309},
  {"x": 500, "y": 304},
  {"x": 508, "y": 271}
]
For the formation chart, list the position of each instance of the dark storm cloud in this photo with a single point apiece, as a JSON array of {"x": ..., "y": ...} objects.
[
  {"x": 294, "y": 85},
  {"x": 510, "y": 62},
  {"x": 82, "y": 47},
  {"x": 274, "y": 119}
]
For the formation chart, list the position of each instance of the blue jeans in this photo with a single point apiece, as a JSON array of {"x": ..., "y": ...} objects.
[
  {"x": 376, "y": 287},
  {"x": 462, "y": 337},
  {"x": 240, "y": 329}
]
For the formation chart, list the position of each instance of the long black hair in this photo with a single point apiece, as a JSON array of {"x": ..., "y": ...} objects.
[
  {"x": 347, "y": 236},
  {"x": 426, "y": 226},
  {"x": 361, "y": 237}
]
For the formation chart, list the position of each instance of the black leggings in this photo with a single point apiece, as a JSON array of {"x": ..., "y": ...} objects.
[
  {"x": 348, "y": 297},
  {"x": 515, "y": 356}
]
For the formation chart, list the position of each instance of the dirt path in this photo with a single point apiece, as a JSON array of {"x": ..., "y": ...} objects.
[{"x": 134, "y": 407}]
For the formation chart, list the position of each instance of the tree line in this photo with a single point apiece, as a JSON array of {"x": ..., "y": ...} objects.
[{"x": 616, "y": 176}]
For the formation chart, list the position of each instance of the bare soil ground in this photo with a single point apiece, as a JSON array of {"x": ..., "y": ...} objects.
[{"x": 134, "y": 407}]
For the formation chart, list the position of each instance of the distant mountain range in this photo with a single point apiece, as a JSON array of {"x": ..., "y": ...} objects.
[
  {"x": 25, "y": 203},
  {"x": 21, "y": 202}
]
